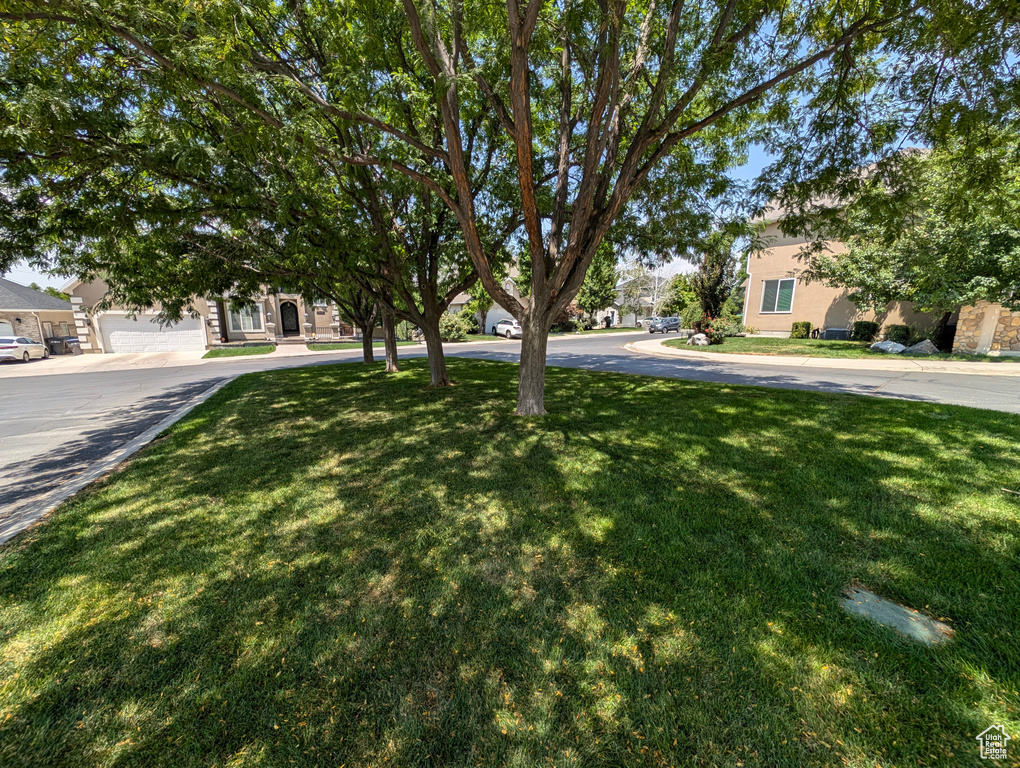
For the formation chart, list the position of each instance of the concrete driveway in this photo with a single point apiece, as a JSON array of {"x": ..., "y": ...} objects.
[{"x": 62, "y": 415}]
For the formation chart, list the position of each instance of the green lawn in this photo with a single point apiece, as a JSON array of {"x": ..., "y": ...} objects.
[
  {"x": 321, "y": 346},
  {"x": 264, "y": 349},
  {"x": 330, "y": 566},
  {"x": 760, "y": 345}
]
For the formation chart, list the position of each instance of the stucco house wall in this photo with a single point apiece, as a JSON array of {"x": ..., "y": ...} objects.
[{"x": 815, "y": 302}]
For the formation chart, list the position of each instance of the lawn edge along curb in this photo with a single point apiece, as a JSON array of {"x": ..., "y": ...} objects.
[
  {"x": 33, "y": 513},
  {"x": 656, "y": 348}
]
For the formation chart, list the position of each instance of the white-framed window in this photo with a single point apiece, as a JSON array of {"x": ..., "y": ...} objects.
[
  {"x": 245, "y": 319},
  {"x": 777, "y": 296}
]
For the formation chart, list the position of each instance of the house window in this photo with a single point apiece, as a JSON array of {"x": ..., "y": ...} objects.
[
  {"x": 65, "y": 330},
  {"x": 245, "y": 319},
  {"x": 777, "y": 296},
  {"x": 47, "y": 329}
]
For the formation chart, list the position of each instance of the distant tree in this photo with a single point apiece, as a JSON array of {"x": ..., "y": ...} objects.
[
  {"x": 599, "y": 288},
  {"x": 733, "y": 307},
  {"x": 716, "y": 275},
  {"x": 49, "y": 290},
  {"x": 480, "y": 304},
  {"x": 679, "y": 295}
]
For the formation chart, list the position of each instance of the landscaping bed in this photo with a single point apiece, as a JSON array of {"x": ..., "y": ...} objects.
[
  {"x": 764, "y": 345},
  {"x": 334, "y": 566},
  {"x": 241, "y": 350}
]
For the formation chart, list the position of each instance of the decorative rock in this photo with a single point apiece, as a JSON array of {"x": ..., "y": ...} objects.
[
  {"x": 699, "y": 339},
  {"x": 890, "y": 347},
  {"x": 906, "y": 621},
  {"x": 922, "y": 348}
]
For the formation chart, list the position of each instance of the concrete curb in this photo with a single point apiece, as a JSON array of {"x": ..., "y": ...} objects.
[
  {"x": 32, "y": 514},
  {"x": 657, "y": 349}
]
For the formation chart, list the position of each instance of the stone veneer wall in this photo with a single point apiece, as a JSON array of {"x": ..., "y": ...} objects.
[
  {"x": 1007, "y": 332},
  {"x": 987, "y": 328},
  {"x": 29, "y": 326}
]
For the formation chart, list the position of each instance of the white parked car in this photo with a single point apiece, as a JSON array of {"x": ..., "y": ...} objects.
[
  {"x": 20, "y": 348},
  {"x": 511, "y": 329}
]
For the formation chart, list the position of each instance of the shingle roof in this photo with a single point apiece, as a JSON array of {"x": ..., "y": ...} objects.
[{"x": 19, "y": 297}]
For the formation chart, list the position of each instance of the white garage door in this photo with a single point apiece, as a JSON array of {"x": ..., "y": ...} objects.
[{"x": 144, "y": 334}]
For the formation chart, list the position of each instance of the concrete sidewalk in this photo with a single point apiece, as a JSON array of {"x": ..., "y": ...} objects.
[{"x": 892, "y": 363}]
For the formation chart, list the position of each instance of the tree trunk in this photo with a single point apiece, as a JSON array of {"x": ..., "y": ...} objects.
[
  {"x": 481, "y": 326},
  {"x": 531, "y": 389},
  {"x": 366, "y": 343},
  {"x": 434, "y": 347},
  {"x": 390, "y": 335}
]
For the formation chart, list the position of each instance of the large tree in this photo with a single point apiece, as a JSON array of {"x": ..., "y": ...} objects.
[
  {"x": 590, "y": 98},
  {"x": 177, "y": 197}
]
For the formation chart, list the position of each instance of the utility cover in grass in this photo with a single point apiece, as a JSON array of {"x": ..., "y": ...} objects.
[{"x": 904, "y": 620}]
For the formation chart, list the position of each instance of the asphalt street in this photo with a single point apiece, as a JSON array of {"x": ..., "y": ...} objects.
[{"x": 55, "y": 425}]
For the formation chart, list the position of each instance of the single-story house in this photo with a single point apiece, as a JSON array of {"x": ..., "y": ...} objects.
[
  {"x": 274, "y": 317},
  {"x": 33, "y": 314}
]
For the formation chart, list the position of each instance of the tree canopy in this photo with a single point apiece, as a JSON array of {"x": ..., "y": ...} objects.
[
  {"x": 557, "y": 118},
  {"x": 939, "y": 228}
]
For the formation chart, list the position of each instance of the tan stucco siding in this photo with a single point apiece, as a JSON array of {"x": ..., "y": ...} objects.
[{"x": 813, "y": 301}]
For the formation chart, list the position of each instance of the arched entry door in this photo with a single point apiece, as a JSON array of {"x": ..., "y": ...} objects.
[{"x": 289, "y": 319}]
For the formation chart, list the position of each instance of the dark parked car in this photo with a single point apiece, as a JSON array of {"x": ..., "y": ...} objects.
[{"x": 664, "y": 325}]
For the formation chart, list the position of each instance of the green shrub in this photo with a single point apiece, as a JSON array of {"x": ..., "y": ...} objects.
[
  {"x": 453, "y": 327},
  {"x": 715, "y": 335},
  {"x": 899, "y": 333},
  {"x": 471, "y": 319},
  {"x": 864, "y": 330},
  {"x": 800, "y": 330},
  {"x": 920, "y": 334},
  {"x": 692, "y": 316},
  {"x": 728, "y": 327}
]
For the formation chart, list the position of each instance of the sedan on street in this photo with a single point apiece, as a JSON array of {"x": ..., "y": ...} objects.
[
  {"x": 664, "y": 325},
  {"x": 20, "y": 348}
]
